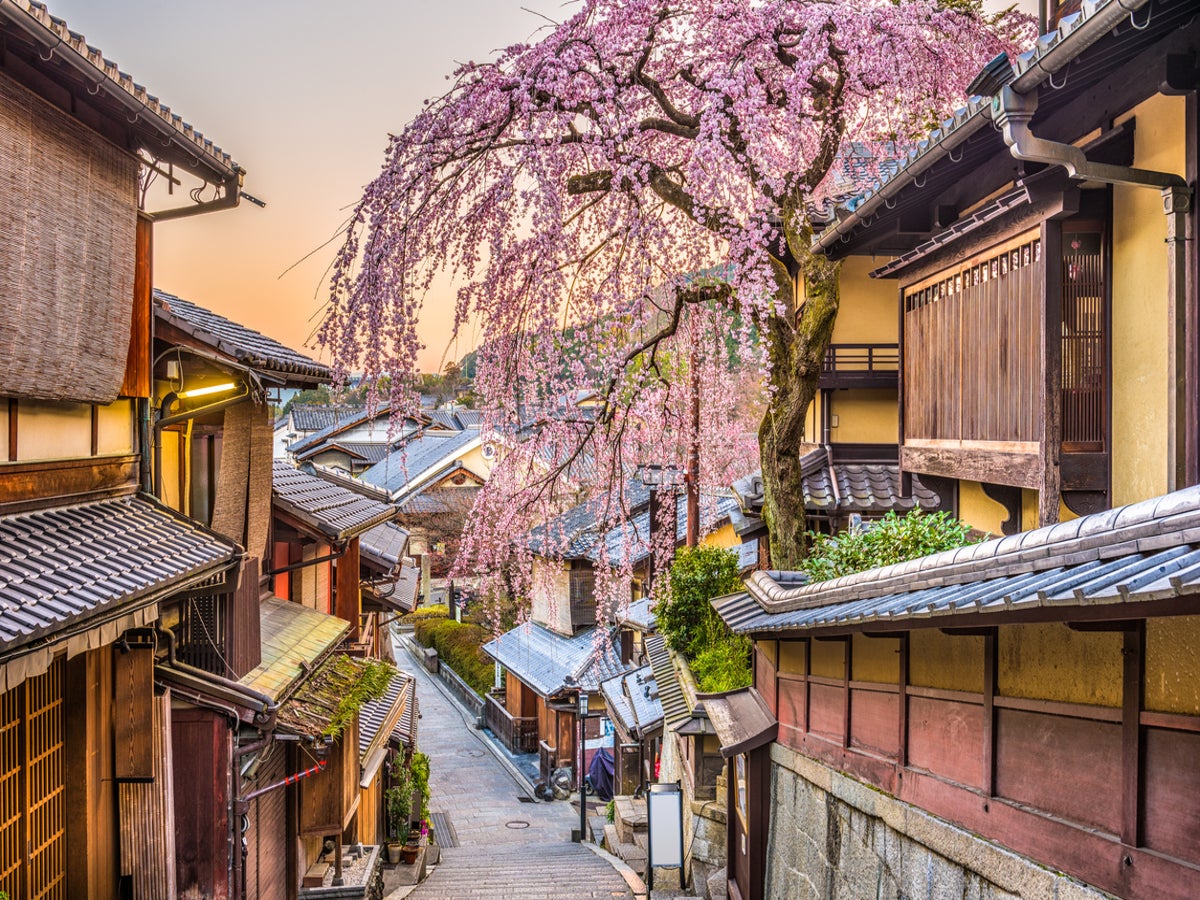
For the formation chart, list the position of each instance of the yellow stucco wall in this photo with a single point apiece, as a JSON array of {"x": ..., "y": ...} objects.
[
  {"x": 864, "y": 417},
  {"x": 551, "y": 600},
  {"x": 951, "y": 662},
  {"x": 829, "y": 659},
  {"x": 1173, "y": 665},
  {"x": 115, "y": 428},
  {"x": 1139, "y": 308},
  {"x": 869, "y": 310},
  {"x": 170, "y": 443},
  {"x": 473, "y": 460},
  {"x": 979, "y": 510},
  {"x": 1052, "y": 662},
  {"x": 53, "y": 430},
  {"x": 791, "y": 657},
  {"x": 724, "y": 537},
  {"x": 875, "y": 659}
]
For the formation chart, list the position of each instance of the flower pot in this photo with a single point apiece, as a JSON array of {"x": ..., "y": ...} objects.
[
  {"x": 395, "y": 850},
  {"x": 409, "y": 853}
]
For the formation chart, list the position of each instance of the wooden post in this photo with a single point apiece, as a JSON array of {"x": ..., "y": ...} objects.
[
  {"x": 1049, "y": 492},
  {"x": 1133, "y": 657},
  {"x": 989, "y": 713},
  {"x": 902, "y": 704},
  {"x": 847, "y": 646},
  {"x": 348, "y": 605},
  {"x": 1176, "y": 204}
]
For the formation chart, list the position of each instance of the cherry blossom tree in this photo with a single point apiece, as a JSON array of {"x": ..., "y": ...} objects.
[{"x": 625, "y": 204}]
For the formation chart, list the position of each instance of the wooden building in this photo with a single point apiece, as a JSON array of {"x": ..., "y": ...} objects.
[
  {"x": 1014, "y": 717},
  {"x": 88, "y": 558}
]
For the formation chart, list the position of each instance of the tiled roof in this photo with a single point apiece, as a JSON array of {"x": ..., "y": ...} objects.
[
  {"x": 378, "y": 719},
  {"x": 550, "y": 663},
  {"x": 247, "y": 346},
  {"x": 633, "y": 697},
  {"x": 367, "y": 451},
  {"x": 294, "y": 637},
  {"x": 315, "y": 708},
  {"x": 671, "y": 697},
  {"x": 1104, "y": 564},
  {"x": 417, "y": 458},
  {"x": 314, "y": 418},
  {"x": 384, "y": 544},
  {"x": 331, "y": 509},
  {"x": 68, "y": 564},
  {"x": 144, "y": 111},
  {"x": 1050, "y": 55},
  {"x": 713, "y": 512},
  {"x": 640, "y": 616},
  {"x": 437, "y": 500}
]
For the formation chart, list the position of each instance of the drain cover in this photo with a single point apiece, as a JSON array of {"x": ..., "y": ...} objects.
[
  {"x": 516, "y": 823},
  {"x": 443, "y": 830},
  {"x": 523, "y": 799}
]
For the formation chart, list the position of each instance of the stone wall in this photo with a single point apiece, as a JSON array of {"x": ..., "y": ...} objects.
[{"x": 834, "y": 838}]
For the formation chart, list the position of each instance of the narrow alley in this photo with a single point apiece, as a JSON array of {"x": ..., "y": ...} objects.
[{"x": 500, "y": 843}]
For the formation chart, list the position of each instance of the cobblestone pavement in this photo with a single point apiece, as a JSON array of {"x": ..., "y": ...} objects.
[{"x": 506, "y": 848}]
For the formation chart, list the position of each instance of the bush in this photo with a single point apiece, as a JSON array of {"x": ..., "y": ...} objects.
[
  {"x": 419, "y": 766},
  {"x": 441, "y": 611},
  {"x": 723, "y": 665},
  {"x": 458, "y": 645},
  {"x": 685, "y": 616},
  {"x": 892, "y": 539}
]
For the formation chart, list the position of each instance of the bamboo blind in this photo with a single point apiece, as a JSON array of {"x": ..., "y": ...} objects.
[{"x": 68, "y": 219}]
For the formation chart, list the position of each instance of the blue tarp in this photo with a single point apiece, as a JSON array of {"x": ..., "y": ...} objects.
[{"x": 601, "y": 774}]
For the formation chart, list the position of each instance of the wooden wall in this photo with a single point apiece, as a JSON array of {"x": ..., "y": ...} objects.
[
  {"x": 202, "y": 748},
  {"x": 1036, "y": 736}
]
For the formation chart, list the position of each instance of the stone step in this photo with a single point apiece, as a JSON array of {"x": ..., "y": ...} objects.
[{"x": 630, "y": 818}]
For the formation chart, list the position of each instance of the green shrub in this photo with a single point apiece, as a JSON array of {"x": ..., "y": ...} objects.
[
  {"x": 458, "y": 645},
  {"x": 724, "y": 665},
  {"x": 419, "y": 765},
  {"x": 440, "y": 611},
  {"x": 610, "y": 811},
  {"x": 685, "y": 616},
  {"x": 892, "y": 539}
]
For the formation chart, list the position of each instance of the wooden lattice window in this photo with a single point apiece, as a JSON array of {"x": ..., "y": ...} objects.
[
  {"x": 583, "y": 597},
  {"x": 33, "y": 860},
  {"x": 1084, "y": 339}
]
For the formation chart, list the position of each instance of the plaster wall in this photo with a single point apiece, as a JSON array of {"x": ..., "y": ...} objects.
[
  {"x": 1139, "y": 308},
  {"x": 979, "y": 510},
  {"x": 951, "y": 662},
  {"x": 864, "y": 417},
  {"x": 550, "y": 603},
  {"x": 833, "y": 838},
  {"x": 875, "y": 659},
  {"x": 1051, "y": 662},
  {"x": 114, "y": 427},
  {"x": 828, "y": 659},
  {"x": 474, "y": 461},
  {"x": 1173, "y": 665},
  {"x": 724, "y": 537},
  {"x": 53, "y": 430},
  {"x": 869, "y": 310}
]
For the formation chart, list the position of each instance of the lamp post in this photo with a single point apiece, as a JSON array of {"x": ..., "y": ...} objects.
[{"x": 583, "y": 711}]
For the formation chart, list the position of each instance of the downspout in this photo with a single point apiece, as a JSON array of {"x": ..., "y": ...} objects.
[{"x": 1013, "y": 111}]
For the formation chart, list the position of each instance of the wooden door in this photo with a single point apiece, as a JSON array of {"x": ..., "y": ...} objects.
[
  {"x": 32, "y": 789},
  {"x": 749, "y": 799}
]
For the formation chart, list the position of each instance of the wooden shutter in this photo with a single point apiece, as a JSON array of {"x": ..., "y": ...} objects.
[{"x": 133, "y": 713}]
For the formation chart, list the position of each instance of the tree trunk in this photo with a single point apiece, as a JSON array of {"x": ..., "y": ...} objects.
[{"x": 797, "y": 341}]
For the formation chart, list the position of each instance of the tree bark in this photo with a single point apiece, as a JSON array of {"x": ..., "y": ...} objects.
[{"x": 798, "y": 334}]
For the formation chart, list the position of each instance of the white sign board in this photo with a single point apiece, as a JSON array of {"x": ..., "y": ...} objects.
[
  {"x": 664, "y": 814},
  {"x": 748, "y": 554}
]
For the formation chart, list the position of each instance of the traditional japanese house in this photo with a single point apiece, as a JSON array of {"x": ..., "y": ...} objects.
[
  {"x": 538, "y": 710},
  {"x": 386, "y": 726},
  {"x": 391, "y": 579},
  {"x": 302, "y": 419},
  {"x": 1011, "y": 717},
  {"x": 88, "y": 557},
  {"x": 356, "y": 439}
]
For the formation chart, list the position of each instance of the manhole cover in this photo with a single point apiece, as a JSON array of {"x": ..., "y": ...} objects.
[
  {"x": 516, "y": 823},
  {"x": 473, "y": 754}
]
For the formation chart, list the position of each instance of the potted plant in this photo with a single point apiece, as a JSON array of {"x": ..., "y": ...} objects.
[{"x": 398, "y": 806}]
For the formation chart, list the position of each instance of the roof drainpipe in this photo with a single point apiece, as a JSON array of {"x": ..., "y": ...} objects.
[{"x": 1013, "y": 111}]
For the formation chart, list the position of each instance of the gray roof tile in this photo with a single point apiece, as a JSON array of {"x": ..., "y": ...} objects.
[
  {"x": 416, "y": 457},
  {"x": 335, "y": 511},
  {"x": 548, "y": 662},
  {"x": 633, "y": 697},
  {"x": 63, "y": 565},
  {"x": 384, "y": 544}
]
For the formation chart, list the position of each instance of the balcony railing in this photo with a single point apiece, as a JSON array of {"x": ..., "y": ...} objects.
[
  {"x": 861, "y": 366},
  {"x": 518, "y": 734}
]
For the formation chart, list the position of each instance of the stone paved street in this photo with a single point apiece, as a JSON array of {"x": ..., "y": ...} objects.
[{"x": 507, "y": 848}]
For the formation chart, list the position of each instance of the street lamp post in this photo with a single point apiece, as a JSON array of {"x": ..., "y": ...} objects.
[{"x": 583, "y": 711}]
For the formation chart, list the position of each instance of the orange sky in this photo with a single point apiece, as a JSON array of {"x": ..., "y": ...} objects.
[{"x": 303, "y": 93}]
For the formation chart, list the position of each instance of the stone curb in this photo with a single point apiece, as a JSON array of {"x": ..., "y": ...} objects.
[
  {"x": 631, "y": 877},
  {"x": 517, "y": 775}
]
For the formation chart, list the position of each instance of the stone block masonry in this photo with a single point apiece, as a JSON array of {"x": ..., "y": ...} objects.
[{"x": 834, "y": 838}]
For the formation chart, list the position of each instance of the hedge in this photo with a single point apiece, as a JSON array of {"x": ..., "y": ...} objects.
[{"x": 458, "y": 645}]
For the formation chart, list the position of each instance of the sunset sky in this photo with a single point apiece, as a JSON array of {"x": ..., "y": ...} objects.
[{"x": 303, "y": 93}]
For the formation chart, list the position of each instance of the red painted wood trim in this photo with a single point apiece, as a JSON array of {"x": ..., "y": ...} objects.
[
  {"x": 942, "y": 694},
  {"x": 1171, "y": 721},
  {"x": 828, "y": 682},
  {"x": 1131, "y": 735},
  {"x": 808, "y": 686},
  {"x": 874, "y": 687},
  {"x": 989, "y": 713},
  {"x": 1058, "y": 708},
  {"x": 846, "y": 704},
  {"x": 902, "y": 707}
]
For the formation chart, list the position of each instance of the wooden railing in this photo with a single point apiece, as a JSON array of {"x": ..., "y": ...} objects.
[
  {"x": 518, "y": 734},
  {"x": 860, "y": 365},
  {"x": 547, "y": 760}
]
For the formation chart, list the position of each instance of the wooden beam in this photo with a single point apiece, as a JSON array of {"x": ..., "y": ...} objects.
[
  {"x": 989, "y": 714},
  {"x": 902, "y": 705},
  {"x": 1133, "y": 658},
  {"x": 973, "y": 464},
  {"x": 95, "y": 446},
  {"x": 1050, "y": 475},
  {"x": 348, "y": 603},
  {"x": 846, "y": 660},
  {"x": 22, "y": 484},
  {"x": 12, "y": 429}
]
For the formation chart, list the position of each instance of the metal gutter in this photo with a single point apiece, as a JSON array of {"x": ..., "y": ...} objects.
[{"x": 1062, "y": 50}]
